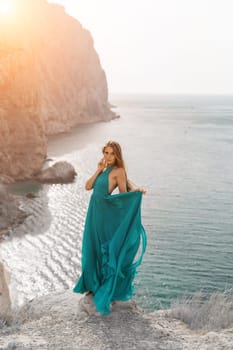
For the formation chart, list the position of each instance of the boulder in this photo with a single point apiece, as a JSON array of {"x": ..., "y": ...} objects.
[{"x": 60, "y": 172}]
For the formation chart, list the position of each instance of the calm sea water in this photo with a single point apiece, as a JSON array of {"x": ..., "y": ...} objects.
[{"x": 180, "y": 148}]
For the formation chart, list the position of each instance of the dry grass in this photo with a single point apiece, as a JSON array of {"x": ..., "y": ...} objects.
[{"x": 200, "y": 312}]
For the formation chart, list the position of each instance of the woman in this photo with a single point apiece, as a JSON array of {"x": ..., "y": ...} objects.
[{"x": 112, "y": 232}]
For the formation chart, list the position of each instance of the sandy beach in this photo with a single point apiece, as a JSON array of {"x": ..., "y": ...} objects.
[{"x": 78, "y": 138}]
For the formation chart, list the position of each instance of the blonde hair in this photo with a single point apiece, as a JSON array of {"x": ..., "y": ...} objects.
[{"x": 117, "y": 153}]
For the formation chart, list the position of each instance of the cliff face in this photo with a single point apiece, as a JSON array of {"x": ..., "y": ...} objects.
[
  {"x": 50, "y": 80},
  {"x": 73, "y": 85},
  {"x": 22, "y": 134}
]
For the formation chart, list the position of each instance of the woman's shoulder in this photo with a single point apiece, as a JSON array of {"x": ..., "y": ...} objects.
[{"x": 119, "y": 171}]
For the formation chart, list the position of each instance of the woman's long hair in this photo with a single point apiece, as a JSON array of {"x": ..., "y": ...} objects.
[{"x": 117, "y": 153}]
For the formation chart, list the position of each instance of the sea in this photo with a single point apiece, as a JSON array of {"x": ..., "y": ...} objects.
[{"x": 180, "y": 149}]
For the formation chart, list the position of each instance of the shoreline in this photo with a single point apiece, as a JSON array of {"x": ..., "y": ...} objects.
[
  {"x": 77, "y": 138},
  {"x": 17, "y": 190}
]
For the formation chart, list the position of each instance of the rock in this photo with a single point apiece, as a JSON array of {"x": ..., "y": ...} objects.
[
  {"x": 23, "y": 141},
  {"x": 8, "y": 208},
  {"x": 5, "y": 302},
  {"x": 30, "y": 195},
  {"x": 10, "y": 213},
  {"x": 50, "y": 80},
  {"x": 60, "y": 172},
  {"x": 6, "y": 180}
]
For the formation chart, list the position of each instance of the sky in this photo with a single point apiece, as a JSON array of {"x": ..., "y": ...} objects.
[{"x": 161, "y": 46}]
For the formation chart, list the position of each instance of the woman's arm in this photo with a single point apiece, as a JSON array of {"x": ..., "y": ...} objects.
[
  {"x": 90, "y": 182},
  {"x": 134, "y": 188}
]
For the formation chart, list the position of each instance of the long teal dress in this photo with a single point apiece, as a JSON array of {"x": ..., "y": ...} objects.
[{"x": 111, "y": 240}]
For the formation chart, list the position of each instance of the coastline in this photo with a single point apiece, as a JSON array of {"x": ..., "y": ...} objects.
[
  {"x": 16, "y": 192},
  {"x": 76, "y": 139},
  {"x": 65, "y": 320},
  {"x": 88, "y": 329}
]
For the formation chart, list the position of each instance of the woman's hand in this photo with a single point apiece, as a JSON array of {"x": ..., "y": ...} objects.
[
  {"x": 141, "y": 189},
  {"x": 102, "y": 164}
]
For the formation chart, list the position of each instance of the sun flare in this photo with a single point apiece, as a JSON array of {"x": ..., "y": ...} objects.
[{"x": 5, "y": 7}]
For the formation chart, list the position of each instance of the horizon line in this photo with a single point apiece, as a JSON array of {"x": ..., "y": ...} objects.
[{"x": 173, "y": 93}]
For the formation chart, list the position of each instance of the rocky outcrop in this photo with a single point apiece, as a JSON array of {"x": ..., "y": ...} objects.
[
  {"x": 22, "y": 133},
  {"x": 60, "y": 172},
  {"x": 73, "y": 84},
  {"x": 50, "y": 80},
  {"x": 10, "y": 213},
  {"x": 65, "y": 320},
  {"x": 5, "y": 302}
]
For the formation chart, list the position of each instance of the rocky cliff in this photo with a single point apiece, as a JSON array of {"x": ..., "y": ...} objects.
[
  {"x": 65, "y": 320},
  {"x": 22, "y": 132},
  {"x": 51, "y": 79}
]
